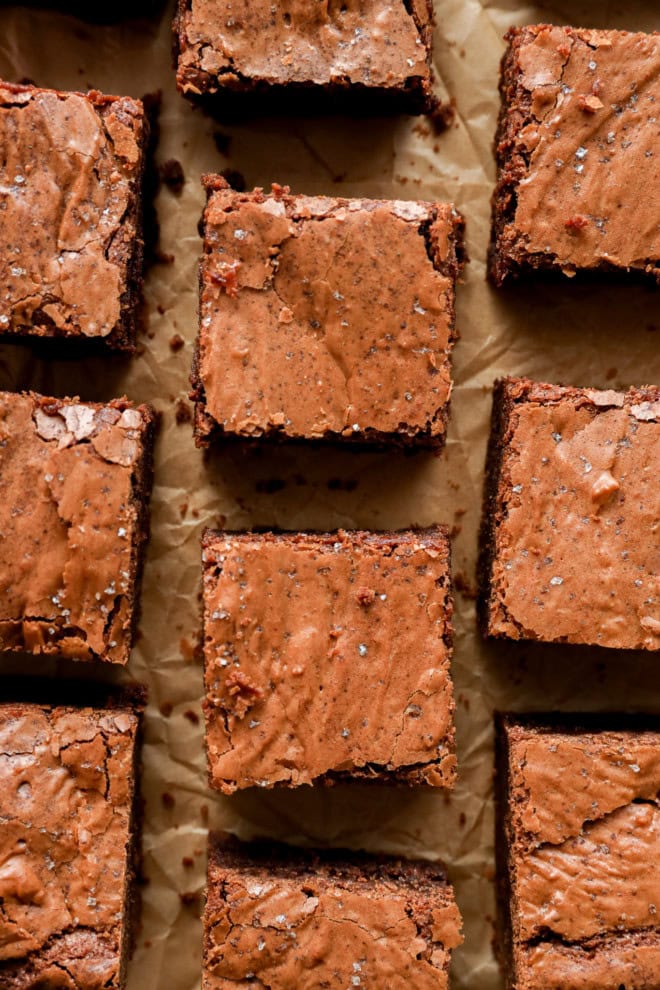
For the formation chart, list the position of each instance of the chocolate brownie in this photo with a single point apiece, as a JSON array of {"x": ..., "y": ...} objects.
[
  {"x": 68, "y": 845},
  {"x": 373, "y": 53},
  {"x": 75, "y": 481},
  {"x": 70, "y": 215},
  {"x": 327, "y": 656},
  {"x": 325, "y": 318},
  {"x": 578, "y": 838},
  {"x": 578, "y": 149},
  {"x": 281, "y": 918},
  {"x": 572, "y": 502}
]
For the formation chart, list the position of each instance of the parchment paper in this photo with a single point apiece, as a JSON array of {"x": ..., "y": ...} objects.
[{"x": 597, "y": 336}]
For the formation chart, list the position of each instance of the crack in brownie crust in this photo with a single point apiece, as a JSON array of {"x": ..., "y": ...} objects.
[
  {"x": 578, "y": 832},
  {"x": 571, "y": 498},
  {"x": 327, "y": 656},
  {"x": 578, "y": 150},
  {"x": 279, "y": 917},
  {"x": 325, "y": 318}
]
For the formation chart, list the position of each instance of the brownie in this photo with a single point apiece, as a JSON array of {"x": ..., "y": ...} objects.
[
  {"x": 68, "y": 845},
  {"x": 326, "y": 657},
  {"x": 374, "y": 54},
  {"x": 325, "y": 318},
  {"x": 70, "y": 215},
  {"x": 572, "y": 502},
  {"x": 75, "y": 481},
  {"x": 281, "y": 918},
  {"x": 578, "y": 834},
  {"x": 577, "y": 150}
]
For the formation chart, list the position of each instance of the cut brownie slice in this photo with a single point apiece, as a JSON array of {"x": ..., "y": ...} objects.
[
  {"x": 578, "y": 148},
  {"x": 572, "y": 503},
  {"x": 283, "y": 918},
  {"x": 68, "y": 845},
  {"x": 325, "y": 318},
  {"x": 75, "y": 480},
  {"x": 578, "y": 839},
  {"x": 70, "y": 215},
  {"x": 373, "y": 52},
  {"x": 327, "y": 656}
]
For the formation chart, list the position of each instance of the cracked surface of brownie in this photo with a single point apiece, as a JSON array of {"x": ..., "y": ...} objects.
[
  {"x": 327, "y": 657},
  {"x": 356, "y": 46},
  {"x": 578, "y": 152},
  {"x": 67, "y": 845},
  {"x": 75, "y": 481},
  {"x": 281, "y": 917},
  {"x": 325, "y": 318},
  {"x": 70, "y": 214},
  {"x": 572, "y": 502},
  {"x": 578, "y": 837}
]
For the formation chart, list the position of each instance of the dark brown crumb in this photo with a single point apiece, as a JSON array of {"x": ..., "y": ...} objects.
[
  {"x": 189, "y": 899},
  {"x": 204, "y": 813},
  {"x": 171, "y": 175},
  {"x": 188, "y": 862},
  {"x": 442, "y": 116},
  {"x": 182, "y": 413},
  {"x": 270, "y": 486},
  {"x": 168, "y": 800},
  {"x": 166, "y": 709},
  {"x": 176, "y": 342},
  {"x": 192, "y": 716}
]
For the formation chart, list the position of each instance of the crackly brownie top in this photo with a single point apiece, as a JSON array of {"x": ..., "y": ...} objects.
[
  {"x": 327, "y": 654},
  {"x": 310, "y": 922},
  {"x": 323, "y": 315},
  {"x": 589, "y": 101},
  {"x": 68, "y": 517},
  {"x": 374, "y": 43},
  {"x": 67, "y": 171},
  {"x": 574, "y": 555},
  {"x": 585, "y": 827},
  {"x": 66, "y": 783}
]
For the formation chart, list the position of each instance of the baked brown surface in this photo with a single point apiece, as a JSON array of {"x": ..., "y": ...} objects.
[
  {"x": 572, "y": 503},
  {"x": 68, "y": 845},
  {"x": 375, "y": 51},
  {"x": 327, "y": 656},
  {"x": 71, "y": 215},
  {"x": 325, "y": 318},
  {"x": 75, "y": 482},
  {"x": 578, "y": 832},
  {"x": 578, "y": 151},
  {"x": 281, "y": 917}
]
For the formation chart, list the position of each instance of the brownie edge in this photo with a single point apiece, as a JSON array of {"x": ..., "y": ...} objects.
[{"x": 272, "y": 911}]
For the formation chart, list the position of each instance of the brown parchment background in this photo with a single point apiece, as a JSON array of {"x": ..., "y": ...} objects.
[{"x": 585, "y": 335}]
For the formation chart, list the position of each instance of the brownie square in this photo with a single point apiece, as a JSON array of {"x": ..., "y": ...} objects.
[
  {"x": 572, "y": 502},
  {"x": 75, "y": 481},
  {"x": 68, "y": 845},
  {"x": 325, "y": 318},
  {"x": 577, "y": 842},
  {"x": 281, "y": 917},
  {"x": 577, "y": 148},
  {"x": 312, "y": 56},
  {"x": 326, "y": 657},
  {"x": 70, "y": 215}
]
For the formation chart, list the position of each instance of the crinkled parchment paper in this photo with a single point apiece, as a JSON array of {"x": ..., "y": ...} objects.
[{"x": 591, "y": 335}]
